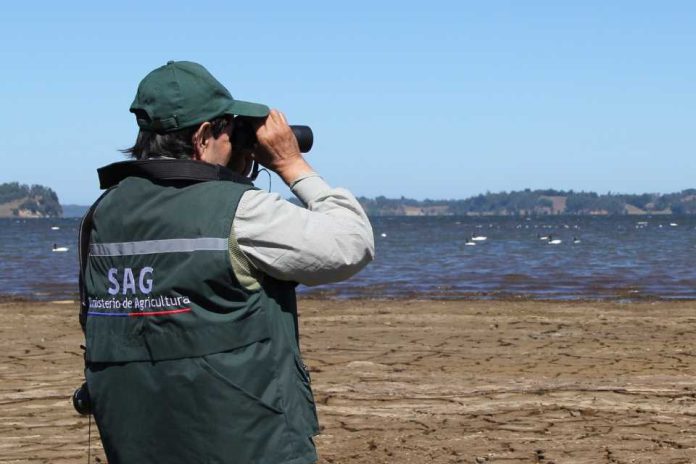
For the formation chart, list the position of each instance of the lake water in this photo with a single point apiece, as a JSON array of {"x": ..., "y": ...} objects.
[{"x": 426, "y": 257}]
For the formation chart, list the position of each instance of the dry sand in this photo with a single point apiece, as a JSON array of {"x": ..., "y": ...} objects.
[{"x": 422, "y": 382}]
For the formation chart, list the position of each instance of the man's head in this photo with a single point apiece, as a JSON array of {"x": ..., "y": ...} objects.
[{"x": 184, "y": 112}]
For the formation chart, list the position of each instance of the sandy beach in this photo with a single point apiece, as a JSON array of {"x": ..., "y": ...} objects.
[{"x": 422, "y": 382}]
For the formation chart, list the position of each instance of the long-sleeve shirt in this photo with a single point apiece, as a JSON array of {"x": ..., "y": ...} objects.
[{"x": 329, "y": 240}]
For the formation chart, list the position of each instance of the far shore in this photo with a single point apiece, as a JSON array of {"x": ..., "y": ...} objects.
[{"x": 414, "y": 381}]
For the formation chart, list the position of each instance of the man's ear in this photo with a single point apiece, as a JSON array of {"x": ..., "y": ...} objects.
[{"x": 200, "y": 140}]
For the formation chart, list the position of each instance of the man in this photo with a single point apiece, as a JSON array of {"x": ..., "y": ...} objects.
[{"x": 189, "y": 276}]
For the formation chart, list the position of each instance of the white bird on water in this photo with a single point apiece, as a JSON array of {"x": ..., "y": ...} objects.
[
  {"x": 57, "y": 249},
  {"x": 55, "y": 228},
  {"x": 478, "y": 238}
]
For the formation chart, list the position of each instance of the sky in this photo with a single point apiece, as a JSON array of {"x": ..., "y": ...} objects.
[{"x": 435, "y": 99}]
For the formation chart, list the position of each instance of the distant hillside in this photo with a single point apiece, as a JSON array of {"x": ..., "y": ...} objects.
[
  {"x": 538, "y": 202},
  {"x": 18, "y": 200}
]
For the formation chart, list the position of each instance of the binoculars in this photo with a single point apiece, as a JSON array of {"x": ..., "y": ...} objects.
[{"x": 244, "y": 134}]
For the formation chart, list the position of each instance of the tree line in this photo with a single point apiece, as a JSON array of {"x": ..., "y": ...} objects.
[{"x": 539, "y": 202}]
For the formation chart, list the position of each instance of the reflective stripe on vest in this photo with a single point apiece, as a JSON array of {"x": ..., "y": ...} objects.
[{"x": 147, "y": 247}]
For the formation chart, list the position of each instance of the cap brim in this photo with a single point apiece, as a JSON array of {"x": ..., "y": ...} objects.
[{"x": 243, "y": 108}]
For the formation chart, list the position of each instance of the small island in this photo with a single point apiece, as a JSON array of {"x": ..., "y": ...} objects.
[{"x": 24, "y": 201}]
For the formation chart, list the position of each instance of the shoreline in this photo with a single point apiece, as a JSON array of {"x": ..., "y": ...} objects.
[{"x": 422, "y": 381}]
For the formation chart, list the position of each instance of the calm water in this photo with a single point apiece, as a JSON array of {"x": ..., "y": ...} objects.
[{"x": 427, "y": 257}]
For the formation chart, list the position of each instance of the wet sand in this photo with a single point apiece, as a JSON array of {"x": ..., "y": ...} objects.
[{"x": 422, "y": 382}]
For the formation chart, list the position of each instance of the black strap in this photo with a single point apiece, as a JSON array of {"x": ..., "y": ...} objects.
[
  {"x": 167, "y": 169},
  {"x": 85, "y": 231}
]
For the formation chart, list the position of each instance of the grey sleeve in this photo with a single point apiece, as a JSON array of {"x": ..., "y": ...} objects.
[{"x": 328, "y": 241}]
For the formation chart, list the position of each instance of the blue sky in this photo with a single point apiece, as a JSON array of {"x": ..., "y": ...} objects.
[{"x": 430, "y": 99}]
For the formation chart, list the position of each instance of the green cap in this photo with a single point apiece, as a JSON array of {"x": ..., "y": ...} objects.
[{"x": 182, "y": 94}]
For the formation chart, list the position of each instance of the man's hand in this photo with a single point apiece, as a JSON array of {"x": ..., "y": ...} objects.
[{"x": 277, "y": 149}]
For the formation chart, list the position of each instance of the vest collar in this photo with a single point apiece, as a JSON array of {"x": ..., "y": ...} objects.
[{"x": 167, "y": 169}]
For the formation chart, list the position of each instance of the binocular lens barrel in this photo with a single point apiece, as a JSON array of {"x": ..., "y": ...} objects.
[
  {"x": 304, "y": 136},
  {"x": 244, "y": 134}
]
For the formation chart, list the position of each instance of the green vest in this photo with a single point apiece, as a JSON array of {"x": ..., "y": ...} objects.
[{"x": 184, "y": 364}]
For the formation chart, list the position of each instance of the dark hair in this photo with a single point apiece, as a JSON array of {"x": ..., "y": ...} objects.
[{"x": 177, "y": 144}]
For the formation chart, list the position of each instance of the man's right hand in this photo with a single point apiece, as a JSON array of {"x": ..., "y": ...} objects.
[{"x": 277, "y": 148}]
